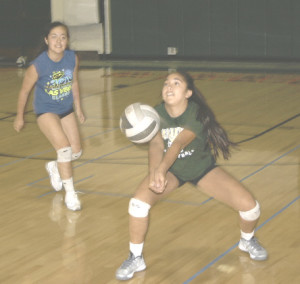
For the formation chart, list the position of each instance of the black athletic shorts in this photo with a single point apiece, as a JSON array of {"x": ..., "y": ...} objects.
[
  {"x": 195, "y": 180},
  {"x": 60, "y": 115}
]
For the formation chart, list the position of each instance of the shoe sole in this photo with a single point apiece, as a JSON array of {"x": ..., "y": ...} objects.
[
  {"x": 48, "y": 171},
  {"x": 74, "y": 209},
  {"x": 130, "y": 275}
]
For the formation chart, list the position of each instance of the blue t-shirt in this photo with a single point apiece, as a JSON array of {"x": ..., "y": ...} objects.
[{"x": 53, "y": 89}]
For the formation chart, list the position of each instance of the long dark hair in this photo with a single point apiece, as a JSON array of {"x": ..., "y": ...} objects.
[
  {"x": 217, "y": 137},
  {"x": 43, "y": 46}
]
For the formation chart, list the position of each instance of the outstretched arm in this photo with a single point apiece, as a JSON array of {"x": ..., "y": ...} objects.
[
  {"x": 29, "y": 81},
  {"x": 155, "y": 155},
  {"x": 159, "y": 181}
]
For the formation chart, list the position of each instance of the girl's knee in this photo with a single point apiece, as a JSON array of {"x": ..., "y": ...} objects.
[
  {"x": 138, "y": 208},
  {"x": 252, "y": 214},
  {"x": 64, "y": 154},
  {"x": 76, "y": 155}
]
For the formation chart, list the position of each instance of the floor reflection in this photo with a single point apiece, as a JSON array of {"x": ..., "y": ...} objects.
[{"x": 73, "y": 249}]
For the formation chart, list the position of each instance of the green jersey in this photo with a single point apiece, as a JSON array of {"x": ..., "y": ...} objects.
[{"x": 196, "y": 157}]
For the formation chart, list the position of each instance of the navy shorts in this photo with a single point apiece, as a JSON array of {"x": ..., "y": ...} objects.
[
  {"x": 196, "y": 180},
  {"x": 60, "y": 115}
]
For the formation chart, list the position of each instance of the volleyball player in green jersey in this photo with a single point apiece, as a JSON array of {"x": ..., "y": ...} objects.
[{"x": 185, "y": 150}]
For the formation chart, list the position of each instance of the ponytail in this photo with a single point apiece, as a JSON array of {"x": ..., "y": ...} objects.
[{"x": 216, "y": 135}]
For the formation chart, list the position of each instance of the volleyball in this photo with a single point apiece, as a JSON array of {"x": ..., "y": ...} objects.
[
  {"x": 21, "y": 61},
  {"x": 139, "y": 122}
]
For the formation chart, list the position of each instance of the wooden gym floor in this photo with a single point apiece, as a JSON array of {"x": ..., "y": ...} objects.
[{"x": 192, "y": 238}]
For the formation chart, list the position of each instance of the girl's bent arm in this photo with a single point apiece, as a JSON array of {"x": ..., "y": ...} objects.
[
  {"x": 76, "y": 93},
  {"x": 155, "y": 156},
  {"x": 158, "y": 180},
  {"x": 29, "y": 81},
  {"x": 180, "y": 142},
  {"x": 155, "y": 152}
]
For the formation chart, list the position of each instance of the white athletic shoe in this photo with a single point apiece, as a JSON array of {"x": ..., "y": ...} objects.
[
  {"x": 54, "y": 176},
  {"x": 254, "y": 248},
  {"x": 131, "y": 265},
  {"x": 72, "y": 201}
]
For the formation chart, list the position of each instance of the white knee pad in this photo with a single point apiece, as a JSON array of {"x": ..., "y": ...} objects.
[
  {"x": 138, "y": 208},
  {"x": 76, "y": 156},
  {"x": 252, "y": 214},
  {"x": 64, "y": 155}
]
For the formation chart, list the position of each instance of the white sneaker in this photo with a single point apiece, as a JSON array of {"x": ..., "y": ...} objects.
[
  {"x": 255, "y": 250},
  {"x": 72, "y": 201},
  {"x": 131, "y": 265},
  {"x": 54, "y": 176}
]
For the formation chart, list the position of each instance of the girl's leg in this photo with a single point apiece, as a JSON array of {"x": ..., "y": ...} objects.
[
  {"x": 138, "y": 226},
  {"x": 70, "y": 127},
  {"x": 223, "y": 187},
  {"x": 51, "y": 126},
  {"x": 139, "y": 207}
]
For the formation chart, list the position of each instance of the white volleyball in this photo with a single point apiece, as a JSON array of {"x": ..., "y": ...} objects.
[{"x": 139, "y": 122}]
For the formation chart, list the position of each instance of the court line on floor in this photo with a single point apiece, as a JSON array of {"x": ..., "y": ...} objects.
[
  {"x": 115, "y": 128},
  {"x": 189, "y": 203},
  {"x": 25, "y": 158},
  {"x": 52, "y": 150},
  {"x": 145, "y": 82},
  {"x": 168, "y": 200},
  {"x": 272, "y": 162},
  {"x": 50, "y": 192},
  {"x": 236, "y": 244},
  {"x": 270, "y": 129},
  {"x": 197, "y": 204},
  {"x": 84, "y": 163},
  {"x": 259, "y": 227}
]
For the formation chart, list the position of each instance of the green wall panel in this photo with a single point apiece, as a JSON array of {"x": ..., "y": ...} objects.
[
  {"x": 278, "y": 28},
  {"x": 196, "y": 35},
  {"x": 135, "y": 27},
  {"x": 223, "y": 28},
  {"x": 229, "y": 29},
  {"x": 122, "y": 27},
  {"x": 295, "y": 28},
  {"x": 22, "y": 22},
  {"x": 170, "y": 28},
  {"x": 251, "y": 28},
  {"x": 145, "y": 26}
]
